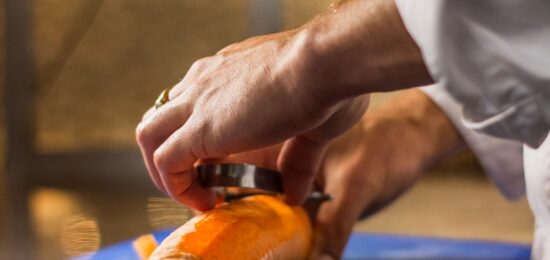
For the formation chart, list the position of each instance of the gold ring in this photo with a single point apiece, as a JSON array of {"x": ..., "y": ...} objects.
[{"x": 162, "y": 99}]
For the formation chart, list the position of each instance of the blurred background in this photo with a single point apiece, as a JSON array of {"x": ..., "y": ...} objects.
[{"x": 80, "y": 73}]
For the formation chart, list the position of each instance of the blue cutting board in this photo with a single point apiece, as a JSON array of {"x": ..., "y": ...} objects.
[{"x": 379, "y": 246}]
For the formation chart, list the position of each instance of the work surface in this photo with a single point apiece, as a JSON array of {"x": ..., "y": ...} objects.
[{"x": 379, "y": 246}]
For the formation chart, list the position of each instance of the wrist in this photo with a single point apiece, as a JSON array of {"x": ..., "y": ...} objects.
[
  {"x": 341, "y": 57},
  {"x": 309, "y": 73}
]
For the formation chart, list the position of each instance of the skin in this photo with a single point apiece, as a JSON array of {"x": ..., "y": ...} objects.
[
  {"x": 396, "y": 145},
  {"x": 301, "y": 88},
  {"x": 293, "y": 92},
  {"x": 372, "y": 164}
]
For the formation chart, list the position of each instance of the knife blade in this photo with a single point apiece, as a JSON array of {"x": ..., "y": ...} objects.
[{"x": 249, "y": 179}]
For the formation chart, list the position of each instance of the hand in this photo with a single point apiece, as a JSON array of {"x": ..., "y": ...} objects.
[
  {"x": 302, "y": 86},
  {"x": 368, "y": 167},
  {"x": 355, "y": 172},
  {"x": 250, "y": 95},
  {"x": 363, "y": 172},
  {"x": 377, "y": 161}
]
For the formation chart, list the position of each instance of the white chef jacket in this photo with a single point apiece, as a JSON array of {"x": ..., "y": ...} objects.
[
  {"x": 493, "y": 58},
  {"x": 505, "y": 162}
]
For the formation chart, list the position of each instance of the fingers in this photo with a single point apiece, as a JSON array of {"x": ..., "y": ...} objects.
[
  {"x": 301, "y": 156},
  {"x": 335, "y": 219},
  {"x": 168, "y": 157},
  {"x": 155, "y": 128},
  {"x": 264, "y": 157},
  {"x": 183, "y": 187},
  {"x": 299, "y": 161},
  {"x": 172, "y": 94},
  {"x": 175, "y": 160}
]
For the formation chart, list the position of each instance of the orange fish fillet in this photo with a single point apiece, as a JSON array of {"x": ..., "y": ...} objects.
[{"x": 256, "y": 227}]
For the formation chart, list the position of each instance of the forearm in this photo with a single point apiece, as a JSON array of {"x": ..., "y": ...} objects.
[
  {"x": 415, "y": 128},
  {"x": 403, "y": 138},
  {"x": 359, "y": 47},
  {"x": 379, "y": 159}
]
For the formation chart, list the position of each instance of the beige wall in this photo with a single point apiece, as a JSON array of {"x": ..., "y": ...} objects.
[
  {"x": 119, "y": 59},
  {"x": 131, "y": 51}
]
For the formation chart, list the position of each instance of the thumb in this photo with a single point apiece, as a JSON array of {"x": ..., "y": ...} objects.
[
  {"x": 335, "y": 219},
  {"x": 299, "y": 162}
]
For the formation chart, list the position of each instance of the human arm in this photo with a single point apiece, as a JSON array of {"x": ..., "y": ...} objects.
[
  {"x": 378, "y": 160},
  {"x": 300, "y": 87},
  {"x": 361, "y": 47},
  {"x": 436, "y": 117}
]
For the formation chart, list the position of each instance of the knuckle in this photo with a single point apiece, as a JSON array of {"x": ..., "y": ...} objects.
[
  {"x": 200, "y": 64},
  {"x": 146, "y": 137},
  {"x": 160, "y": 158},
  {"x": 194, "y": 69},
  {"x": 142, "y": 136},
  {"x": 199, "y": 148}
]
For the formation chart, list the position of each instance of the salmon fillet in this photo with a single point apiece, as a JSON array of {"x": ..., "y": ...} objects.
[{"x": 255, "y": 227}]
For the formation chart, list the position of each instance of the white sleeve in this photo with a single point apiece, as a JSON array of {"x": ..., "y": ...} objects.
[
  {"x": 493, "y": 57},
  {"x": 501, "y": 159}
]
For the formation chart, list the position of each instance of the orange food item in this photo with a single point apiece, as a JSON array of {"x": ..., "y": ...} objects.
[
  {"x": 145, "y": 245},
  {"x": 256, "y": 227}
]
